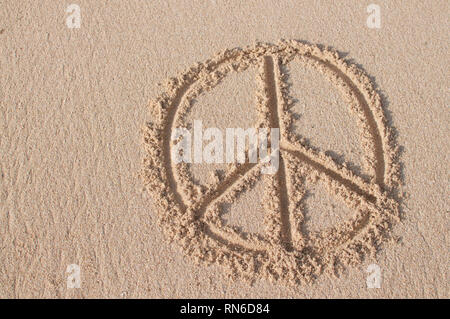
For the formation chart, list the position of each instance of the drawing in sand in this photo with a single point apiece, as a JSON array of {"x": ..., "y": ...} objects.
[{"x": 191, "y": 213}]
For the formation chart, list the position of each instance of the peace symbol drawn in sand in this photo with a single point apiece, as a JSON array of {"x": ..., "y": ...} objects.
[{"x": 191, "y": 214}]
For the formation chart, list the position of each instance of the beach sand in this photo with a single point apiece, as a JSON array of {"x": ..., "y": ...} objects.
[{"x": 79, "y": 179}]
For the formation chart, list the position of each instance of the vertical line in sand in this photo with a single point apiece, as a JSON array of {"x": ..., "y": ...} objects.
[{"x": 271, "y": 90}]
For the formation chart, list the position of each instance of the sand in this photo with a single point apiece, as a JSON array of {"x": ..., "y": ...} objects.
[{"x": 86, "y": 175}]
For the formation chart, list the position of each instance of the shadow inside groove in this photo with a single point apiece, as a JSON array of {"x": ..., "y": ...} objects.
[{"x": 270, "y": 80}]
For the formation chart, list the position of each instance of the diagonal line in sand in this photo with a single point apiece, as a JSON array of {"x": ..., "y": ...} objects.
[
  {"x": 223, "y": 187},
  {"x": 334, "y": 174}
]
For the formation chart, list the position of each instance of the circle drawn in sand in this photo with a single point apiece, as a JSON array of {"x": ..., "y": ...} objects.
[{"x": 191, "y": 213}]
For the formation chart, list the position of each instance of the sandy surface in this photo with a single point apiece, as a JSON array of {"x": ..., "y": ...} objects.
[{"x": 74, "y": 103}]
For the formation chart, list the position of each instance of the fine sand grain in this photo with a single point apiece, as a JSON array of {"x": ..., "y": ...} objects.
[{"x": 87, "y": 179}]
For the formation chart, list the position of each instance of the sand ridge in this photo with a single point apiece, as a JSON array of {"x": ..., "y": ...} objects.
[{"x": 190, "y": 213}]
